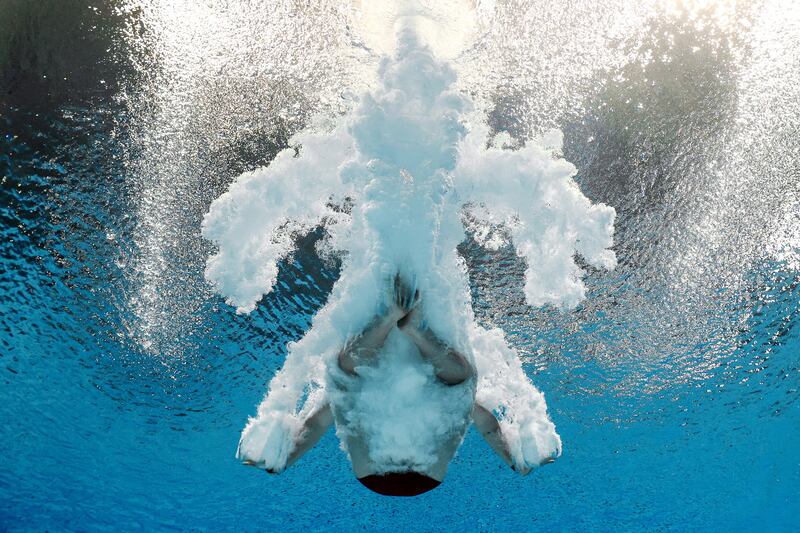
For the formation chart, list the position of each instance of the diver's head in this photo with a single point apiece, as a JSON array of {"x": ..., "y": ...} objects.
[{"x": 399, "y": 483}]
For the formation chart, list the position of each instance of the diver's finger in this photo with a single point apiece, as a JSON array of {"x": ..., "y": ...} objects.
[{"x": 401, "y": 291}]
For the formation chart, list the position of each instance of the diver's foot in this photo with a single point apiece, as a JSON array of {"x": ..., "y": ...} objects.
[
  {"x": 260, "y": 466},
  {"x": 548, "y": 460}
]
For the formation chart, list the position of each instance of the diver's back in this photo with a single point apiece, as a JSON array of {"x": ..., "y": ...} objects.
[{"x": 397, "y": 417}]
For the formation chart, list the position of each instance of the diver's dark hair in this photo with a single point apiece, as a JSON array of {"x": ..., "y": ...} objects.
[{"x": 399, "y": 483}]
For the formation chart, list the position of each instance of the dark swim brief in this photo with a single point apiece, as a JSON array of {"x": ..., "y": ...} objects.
[{"x": 399, "y": 483}]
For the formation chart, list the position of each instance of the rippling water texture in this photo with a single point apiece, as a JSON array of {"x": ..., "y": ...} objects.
[{"x": 126, "y": 382}]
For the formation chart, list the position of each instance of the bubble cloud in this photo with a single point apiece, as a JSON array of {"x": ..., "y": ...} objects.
[{"x": 393, "y": 183}]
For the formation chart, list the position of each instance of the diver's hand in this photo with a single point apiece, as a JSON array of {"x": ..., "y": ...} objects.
[
  {"x": 411, "y": 321},
  {"x": 405, "y": 297}
]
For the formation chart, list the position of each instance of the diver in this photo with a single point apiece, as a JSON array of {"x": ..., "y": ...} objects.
[{"x": 401, "y": 400}]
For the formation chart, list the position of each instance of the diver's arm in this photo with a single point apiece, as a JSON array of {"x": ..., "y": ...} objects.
[
  {"x": 365, "y": 346},
  {"x": 313, "y": 429},
  {"x": 451, "y": 367},
  {"x": 489, "y": 427}
]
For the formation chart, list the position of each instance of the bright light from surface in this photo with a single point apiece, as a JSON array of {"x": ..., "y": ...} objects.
[{"x": 448, "y": 26}]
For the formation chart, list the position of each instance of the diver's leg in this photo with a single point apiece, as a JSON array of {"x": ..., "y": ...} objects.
[
  {"x": 451, "y": 367},
  {"x": 489, "y": 428},
  {"x": 363, "y": 348},
  {"x": 314, "y": 427}
]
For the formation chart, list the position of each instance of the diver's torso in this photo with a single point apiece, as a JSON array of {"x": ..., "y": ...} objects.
[{"x": 396, "y": 415}]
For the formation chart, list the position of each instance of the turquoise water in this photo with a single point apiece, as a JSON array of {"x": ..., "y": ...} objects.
[
  {"x": 674, "y": 385},
  {"x": 99, "y": 433}
]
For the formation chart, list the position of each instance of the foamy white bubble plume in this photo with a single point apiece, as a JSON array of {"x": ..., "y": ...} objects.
[{"x": 410, "y": 168}]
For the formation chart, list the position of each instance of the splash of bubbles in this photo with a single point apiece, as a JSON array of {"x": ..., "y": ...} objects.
[{"x": 393, "y": 183}]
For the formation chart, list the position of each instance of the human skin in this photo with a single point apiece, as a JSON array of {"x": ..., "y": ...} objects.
[{"x": 451, "y": 368}]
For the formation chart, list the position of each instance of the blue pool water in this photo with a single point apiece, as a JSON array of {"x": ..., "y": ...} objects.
[
  {"x": 126, "y": 382},
  {"x": 99, "y": 433}
]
